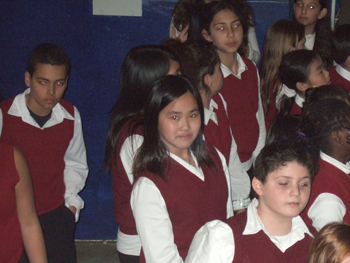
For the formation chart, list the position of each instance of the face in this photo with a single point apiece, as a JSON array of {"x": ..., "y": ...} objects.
[
  {"x": 217, "y": 80},
  {"x": 307, "y": 12},
  {"x": 319, "y": 76},
  {"x": 179, "y": 124},
  {"x": 285, "y": 192},
  {"x": 225, "y": 32},
  {"x": 47, "y": 85},
  {"x": 174, "y": 68},
  {"x": 346, "y": 260}
]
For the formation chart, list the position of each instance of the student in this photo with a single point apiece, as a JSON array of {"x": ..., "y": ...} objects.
[
  {"x": 331, "y": 244},
  {"x": 271, "y": 230},
  {"x": 200, "y": 64},
  {"x": 326, "y": 124},
  {"x": 225, "y": 27},
  {"x": 313, "y": 14},
  {"x": 19, "y": 224},
  {"x": 48, "y": 130},
  {"x": 282, "y": 37},
  {"x": 182, "y": 181},
  {"x": 141, "y": 67},
  {"x": 299, "y": 70},
  {"x": 340, "y": 74},
  {"x": 282, "y": 129}
]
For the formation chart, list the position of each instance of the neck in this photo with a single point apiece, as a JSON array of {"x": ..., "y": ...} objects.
[
  {"x": 339, "y": 154},
  {"x": 310, "y": 29},
  {"x": 230, "y": 61},
  {"x": 206, "y": 99}
]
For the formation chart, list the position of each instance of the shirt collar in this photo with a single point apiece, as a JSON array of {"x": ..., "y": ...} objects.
[
  {"x": 195, "y": 170},
  {"x": 299, "y": 100},
  {"x": 310, "y": 41},
  {"x": 343, "y": 72},
  {"x": 241, "y": 68},
  {"x": 254, "y": 225},
  {"x": 19, "y": 109},
  {"x": 209, "y": 114},
  {"x": 343, "y": 167}
]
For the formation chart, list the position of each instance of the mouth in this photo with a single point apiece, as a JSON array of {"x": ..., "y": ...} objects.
[
  {"x": 185, "y": 137},
  {"x": 293, "y": 204},
  {"x": 231, "y": 44},
  {"x": 49, "y": 101}
]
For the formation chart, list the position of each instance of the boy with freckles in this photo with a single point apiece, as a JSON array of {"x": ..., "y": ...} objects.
[
  {"x": 271, "y": 231},
  {"x": 48, "y": 131}
]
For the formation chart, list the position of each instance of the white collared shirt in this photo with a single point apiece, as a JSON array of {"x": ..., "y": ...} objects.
[
  {"x": 76, "y": 169},
  {"x": 343, "y": 72},
  {"x": 259, "y": 114},
  {"x": 328, "y": 207},
  {"x": 214, "y": 242},
  {"x": 299, "y": 100},
  {"x": 152, "y": 219},
  {"x": 310, "y": 41}
]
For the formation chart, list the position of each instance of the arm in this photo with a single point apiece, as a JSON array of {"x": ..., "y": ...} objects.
[
  {"x": 261, "y": 121},
  {"x": 213, "y": 243},
  {"x": 326, "y": 208},
  {"x": 254, "y": 52},
  {"x": 33, "y": 239},
  {"x": 76, "y": 169},
  {"x": 153, "y": 223}
]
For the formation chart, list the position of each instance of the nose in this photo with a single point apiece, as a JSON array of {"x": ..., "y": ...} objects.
[
  {"x": 51, "y": 89},
  {"x": 185, "y": 124},
  {"x": 303, "y": 10},
  {"x": 295, "y": 190},
  {"x": 230, "y": 32}
]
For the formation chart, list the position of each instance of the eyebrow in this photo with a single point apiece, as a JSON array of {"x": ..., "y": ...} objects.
[
  {"x": 40, "y": 78},
  {"x": 289, "y": 177},
  {"x": 223, "y": 23},
  {"x": 180, "y": 112}
]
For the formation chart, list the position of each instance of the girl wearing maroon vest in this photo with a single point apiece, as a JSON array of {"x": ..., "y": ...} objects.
[
  {"x": 142, "y": 66},
  {"x": 19, "y": 223},
  {"x": 225, "y": 24},
  {"x": 300, "y": 70},
  {"x": 327, "y": 124},
  {"x": 200, "y": 63},
  {"x": 182, "y": 181}
]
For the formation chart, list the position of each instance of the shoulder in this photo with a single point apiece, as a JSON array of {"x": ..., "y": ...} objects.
[
  {"x": 68, "y": 106},
  {"x": 6, "y": 104}
]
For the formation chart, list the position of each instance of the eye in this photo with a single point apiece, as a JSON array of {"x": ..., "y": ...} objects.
[
  {"x": 175, "y": 118},
  {"x": 193, "y": 115},
  {"x": 42, "y": 82},
  {"x": 283, "y": 184},
  {"x": 311, "y": 7},
  {"x": 60, "y": 83},
  {"x": 304, "y": 184}
]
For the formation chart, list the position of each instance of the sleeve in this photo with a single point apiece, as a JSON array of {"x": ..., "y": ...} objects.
[
  {"x": 254, "y": 52},
  {"x": 127, "y": 153},
  {"x": 229, "y": 209},
  {"x": 76, "y": 170},
  {"x": 213, "y": 243},
  {"x": 153, "y": 223},
  {"x": 0, "y": 122},
  {"x": 261, "y": 121},
  {"x": 239, "y": 179},
  {"x": 326, "y": 208}
]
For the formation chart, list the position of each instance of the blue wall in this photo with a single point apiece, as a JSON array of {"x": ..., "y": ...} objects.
[{"x": 97, "y": 46}]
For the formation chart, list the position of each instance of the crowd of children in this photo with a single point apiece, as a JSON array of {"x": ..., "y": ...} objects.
[{"x": 211, "y": 160}]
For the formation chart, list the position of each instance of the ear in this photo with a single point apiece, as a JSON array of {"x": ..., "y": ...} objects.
[
  {"x": 257, "y": 186},
  {"x": 206, "y": 35},
  {"x": 27, "y": 79},
  {"x": 322, "y": 13},
  {"x": 302, "y": 86},
  {"x": 208, "y": 80},
  {"x": 336, "y": 137}
]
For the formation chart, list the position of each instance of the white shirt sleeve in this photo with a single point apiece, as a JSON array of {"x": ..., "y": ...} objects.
[
  {"x": 326, "y": 208},
  {"x": 262, "y": 128},
  {"x": 254, "y": 52},
  {"x": 0, "y": 121},
  {"x": 153, "y": 223},
  {"x": 76, "y": 170},
  {"x": 213, "y": 243}
]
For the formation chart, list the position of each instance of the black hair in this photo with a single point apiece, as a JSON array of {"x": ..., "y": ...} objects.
[
  {"x": 141, "y": 67},
  {"x": 281, "y": 152},
  {"x": 294, "y": 68},
  {"x": 153, "y": 155},
  {"x": 48, "y": 53},
  {"x": 341, "y": 43},
  {"x": 326, "y": 92},
  {"x": 319, "y": 119},
  {"x": 282, "y": 129}
]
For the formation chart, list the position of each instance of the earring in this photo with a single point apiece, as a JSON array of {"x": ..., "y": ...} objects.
[{"x": 341, "y": 143}]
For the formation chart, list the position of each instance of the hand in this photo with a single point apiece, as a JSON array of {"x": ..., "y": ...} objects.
[{"x": 73, "y": 209}]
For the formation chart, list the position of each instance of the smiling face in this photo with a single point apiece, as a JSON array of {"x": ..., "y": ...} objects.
[
  {"x": 225, "y": 32},
  {"x": 179, "y": 124},
  {"x": 285, "y": 192},
  {"x": 307, "y": 12},
  {"x": 47, "y": 86}
]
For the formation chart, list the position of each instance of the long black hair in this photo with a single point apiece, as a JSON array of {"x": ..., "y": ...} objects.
[{"x": 153, "y": 155}]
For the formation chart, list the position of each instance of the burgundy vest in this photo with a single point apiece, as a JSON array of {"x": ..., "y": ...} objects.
[
  {"x": 242, "y": 97},
  {"x": 337, "y": 79},
  {"x": 122, "y": 187},
  {"x": 190, "y": 201},
  {"x": 11, "y": 247},
  {"x": 332, "y": 180},
  {"x": 272, "y": 110},
  {"x": 296, "y": 110},
  {"x": 44, "y": 151},
  {"x": 259, "y": 247},
  {"x": 219, "y": 135}
]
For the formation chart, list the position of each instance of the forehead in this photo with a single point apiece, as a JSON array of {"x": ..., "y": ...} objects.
[
  {"x": 48, "y": 71},
  {"x": 291, "y": 170},
  {"x": 225, "y": 15},
  {"x": 308, "y": 2},
  {"x": 183, "y": 104}
]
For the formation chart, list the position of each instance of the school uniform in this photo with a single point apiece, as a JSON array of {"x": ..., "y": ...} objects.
[
  {"x": 11, "y": 243},
  {"x": 217, "y": 131},
  {"x": 297, "y": 106},
  {"x": 168, "y": 213},
  {"x": 128, "y": 241},
  {"x": 56, "y": 157},
  {"x": 244, "y": 238},
  {"x": 310, "y": 41},
  {"x": 245, "y": 111},
  {"x": 340, "y": 77},
  {"x": 330, "y": 194}
]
